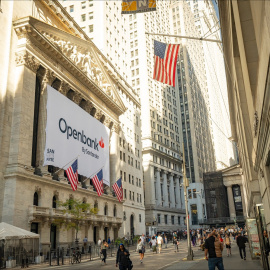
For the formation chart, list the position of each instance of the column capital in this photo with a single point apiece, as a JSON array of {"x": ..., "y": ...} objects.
[
  {"x": 171, "y": 174},
  {"x": 165, "y": 172},
  {"x": 157, "y": 169},
  {"x": 27, "y": 59}
]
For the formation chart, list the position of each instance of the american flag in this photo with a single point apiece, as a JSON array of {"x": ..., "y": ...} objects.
[
  {"x": 72, "y": 174},
  {"x": 165, "y": 62},
  {"x": 117, "y": 187},
  {"x": 98, "y": 182}
]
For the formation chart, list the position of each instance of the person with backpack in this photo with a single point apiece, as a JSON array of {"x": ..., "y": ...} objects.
[
  {"x": 122, "y": 258},
  {"x": 140, "y": 249},
  {"x": 154, "y": 244}
]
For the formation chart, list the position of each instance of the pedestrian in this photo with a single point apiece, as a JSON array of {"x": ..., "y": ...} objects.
[
  {"x": 142, "y": 237},
  {"x": 159, "y": 242},
  {"x": 109, "y": 241},
  {"x": 193, "y": 238},
  {"x": 122, "y": 258},
  {"x": 241, "y": 243},
  {"x": 175, "y": 244},
  {"x": 228, "y": 245},
  {"x": 85, "y": 240},
  {"x": 103, "y": 250},
  {"x": 165, "y": 241},
  {"x": 154, "y": 244},
  {"x": 214, "y": 248},
  {"x": 140, "y": 249},
  {"x": 99, "y": 242}
]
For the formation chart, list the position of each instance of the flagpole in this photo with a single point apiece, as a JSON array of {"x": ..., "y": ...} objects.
[
  {"x": 92, "y": 175},
  {"x": 187, "y": 37},
  {"x": 66, "y": 165}
]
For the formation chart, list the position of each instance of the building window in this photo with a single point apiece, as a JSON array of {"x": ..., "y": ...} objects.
[
  {"x": 115, "y": 211},
  {"x": 35, "y": 202},
  {"x": 121, "y": 157},
  {"x": 140, "y": 198},
  {"x": 71, "y": 8},
  {"x": 91, "y": 16},
  {"x": 125, "y": 179},
  {"x": 105, "y": 210},
  {"x": 129, "y": 178},
  {"x": 158, "y": 218},
  {"x": 34, "y": 228},
  {"x": 172, "y": 219},
  {"x": 179, "y": 220},
  {"x": 132, "y": 180},
  {"x": 83, "y": 17},
  {"x": 54, "y": 202},
  {"x": 130, "y": 195},
  {"x": 83, "y": 5},
  {"x": 91, "y": 28},
  {"x": 140, "y": 218},
  {"x": 125, "y": 193},
  {"x": 166, "y": 219}
]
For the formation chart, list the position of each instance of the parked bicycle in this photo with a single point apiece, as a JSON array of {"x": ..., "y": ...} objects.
[{"x": 76, "y": 256}]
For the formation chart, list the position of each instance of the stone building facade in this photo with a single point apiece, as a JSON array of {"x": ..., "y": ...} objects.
[{"x": 42, "y": 45}]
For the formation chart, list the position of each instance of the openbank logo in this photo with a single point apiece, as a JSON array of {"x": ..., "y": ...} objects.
[{"x": 80, "y": 136}]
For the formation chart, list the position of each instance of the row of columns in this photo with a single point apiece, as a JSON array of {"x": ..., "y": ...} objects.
[{"x": 174, "y": 182}]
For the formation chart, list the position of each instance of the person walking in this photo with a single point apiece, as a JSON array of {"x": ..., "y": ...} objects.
[
  {"x": 154, "y": 244},
  {"x": 99, "y": 242},
  {"x": 175, "y": 244},
  {"x": 159, "y": 242},
  {"x": 85, "y": 240},
  {"x": 214, "y": 248},
  {"x": 141, "y": 249},
  {"x": 241, "y": 243},
  {"x": 228, "y": 245},
  {"x": 165, "y": 241},
  {"x": 103, "y": 250},
  {"x": 122, "y": 258}
]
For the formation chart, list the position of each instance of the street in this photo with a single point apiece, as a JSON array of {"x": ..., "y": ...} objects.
[{"x": 170, "y": 260}]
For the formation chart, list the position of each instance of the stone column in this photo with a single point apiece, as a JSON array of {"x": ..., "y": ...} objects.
[
  {"x": 165, "y": 189},
  {"x": 182, "y": 196},
  {"x": 158, "y": 187},
  {"x": 172, "y": 197},
  {"x": 231, "y": 202},
  {"x": 177, "y": 191},
  {"x": 243, "y": 200},
  {"x": 149, "y": 186}
]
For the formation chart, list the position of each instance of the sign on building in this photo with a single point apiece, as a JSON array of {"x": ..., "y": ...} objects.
[
  {"x": 137, "y": 6},
  {"x": 237, "y": 198},
  {"x": 72, "y": 132}
]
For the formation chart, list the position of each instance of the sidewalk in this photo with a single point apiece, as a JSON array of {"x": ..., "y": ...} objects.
[{"x": 233, "y": 262}]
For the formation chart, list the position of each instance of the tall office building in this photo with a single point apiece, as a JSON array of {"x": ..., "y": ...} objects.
[
  {"x": 205, "y": 15},
  {"x": 164, "y": 206},
  {"x": 109, "y": 30},
  {"x": 194, "y": 105}
]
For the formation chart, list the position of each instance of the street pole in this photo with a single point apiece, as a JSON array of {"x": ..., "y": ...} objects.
[{"x": 186, "y": 184}]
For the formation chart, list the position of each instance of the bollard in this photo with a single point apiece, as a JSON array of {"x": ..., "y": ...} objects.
[
  {"x": 50, "y": 257},
  {"x": 62, "y": 256},
  {"x": 57, "y": 254}
]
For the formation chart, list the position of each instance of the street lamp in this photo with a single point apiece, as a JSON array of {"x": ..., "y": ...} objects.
[{"x": 186, "y": 184}]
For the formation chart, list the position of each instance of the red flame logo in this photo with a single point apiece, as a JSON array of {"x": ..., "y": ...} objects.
[{"x": 101, "y": 143}]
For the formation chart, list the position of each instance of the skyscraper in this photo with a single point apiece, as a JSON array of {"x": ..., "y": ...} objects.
[{"x": 109, "y": 30}]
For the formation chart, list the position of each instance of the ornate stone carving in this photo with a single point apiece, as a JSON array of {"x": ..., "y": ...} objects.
[
  {"x": 116, "y": 128},
  {"x": 64, "y": 88},
  {"x": 27, "y": 59},
  {"x": 56, "y": 193},
  {"x": 255, "y": 123},
  {"x": 88, "y": 107},
  {"x": 98, "y": 114},
  {"x": 48, "y": 78},
  {"x": 77, "y": 98},
  {"x": 261, "y": 173},
  {"x": 38, "y": 189}
]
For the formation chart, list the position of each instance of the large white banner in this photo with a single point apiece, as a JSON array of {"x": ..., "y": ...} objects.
[{"x": 71, "y": 132}]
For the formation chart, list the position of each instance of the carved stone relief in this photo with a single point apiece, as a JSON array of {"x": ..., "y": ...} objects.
[
  {"x": 255, "y": 123},
  {"x": 27, "y": 59}
]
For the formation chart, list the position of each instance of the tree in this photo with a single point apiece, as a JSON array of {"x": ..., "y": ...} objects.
[{"x": 78, "y": 212}]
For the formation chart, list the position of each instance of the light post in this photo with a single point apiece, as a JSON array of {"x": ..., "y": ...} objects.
[{"x": 186, "y": 184}]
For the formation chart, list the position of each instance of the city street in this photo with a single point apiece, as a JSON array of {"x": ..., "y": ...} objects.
[{"x": 170, "y": 260}]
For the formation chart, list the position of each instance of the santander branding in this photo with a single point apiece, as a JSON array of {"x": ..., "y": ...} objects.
[{"x": 80, "y": 136}]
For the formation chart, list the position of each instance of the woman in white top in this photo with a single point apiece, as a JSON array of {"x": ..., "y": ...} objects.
[
  {"x": 140, "y": 249},
  {"x": 154, "y": 244}
]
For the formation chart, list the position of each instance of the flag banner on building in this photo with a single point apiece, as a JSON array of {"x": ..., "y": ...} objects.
[
  {"x": 165, "y": 62},
  {"x": 72, "y": 132},
  {"x": 137, "y": 6},
  {"x": 72, "y": 174},
  {"x": 98, "y": 182},
  {"x": 117, "y": 187},
  {"x": 237, "y": 198}
]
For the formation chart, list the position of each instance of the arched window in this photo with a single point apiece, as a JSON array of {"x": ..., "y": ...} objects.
[
  {"x": 114, "y": 211},
  {"x": 105, "y": 210},
  {"x": 54, "y": 202},
  {"x": 35, "y": 199}
]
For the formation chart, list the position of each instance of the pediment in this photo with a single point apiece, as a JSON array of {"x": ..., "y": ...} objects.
[{"x": 82, "y": 58}]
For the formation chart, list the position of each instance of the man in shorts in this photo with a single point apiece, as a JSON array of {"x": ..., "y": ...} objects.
[{"x": 159, "y": 243}]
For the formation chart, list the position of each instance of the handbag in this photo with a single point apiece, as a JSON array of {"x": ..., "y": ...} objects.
[{"x": 130, "y": 264}]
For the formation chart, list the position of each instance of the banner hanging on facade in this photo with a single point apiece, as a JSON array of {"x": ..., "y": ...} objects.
[
  {"x": 137, "y": 6},
  {"x": 237, "y": 198},
  {"x": 72, "y": 132}
]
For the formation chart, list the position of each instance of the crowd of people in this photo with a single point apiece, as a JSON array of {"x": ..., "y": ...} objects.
[{"x": 212, "y": 242}]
